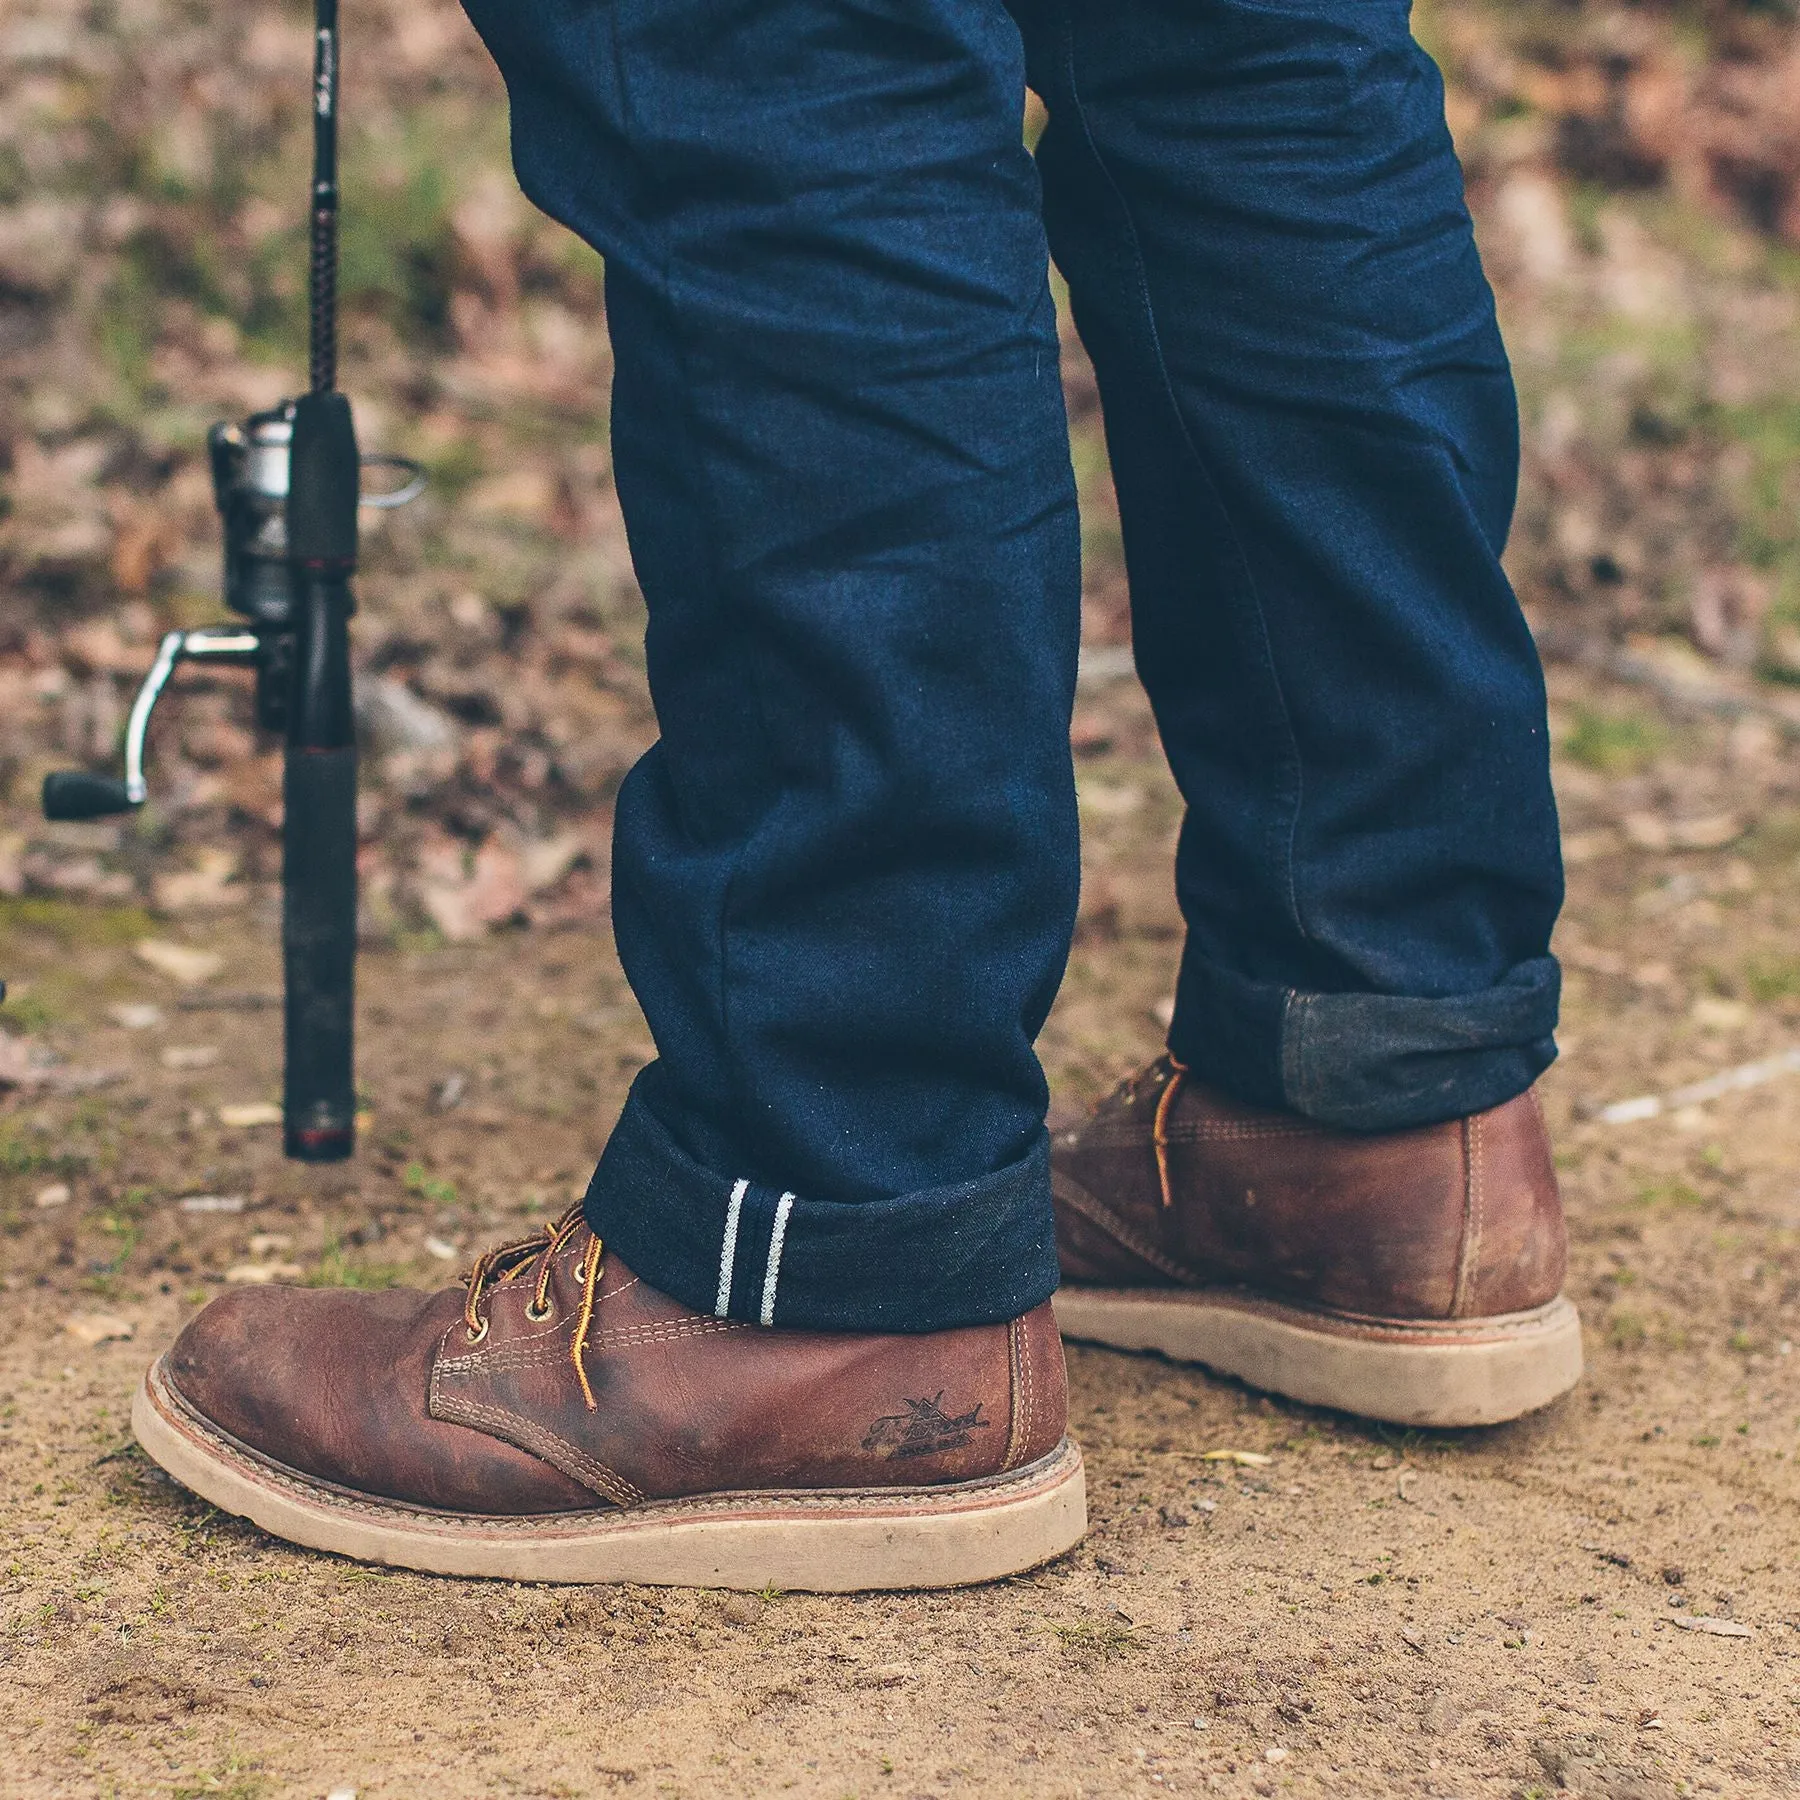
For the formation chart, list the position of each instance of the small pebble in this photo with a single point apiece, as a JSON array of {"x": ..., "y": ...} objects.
[
  {"x": 212, "y": 1203},
  {"x": 56, "y": 1194},
  {"x": 250, "y": 1113}
]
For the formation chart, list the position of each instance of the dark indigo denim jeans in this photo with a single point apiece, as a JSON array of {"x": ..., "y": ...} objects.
[{"x": 845, "y": 878}]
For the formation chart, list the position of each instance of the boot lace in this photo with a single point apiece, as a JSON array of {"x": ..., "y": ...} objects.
[
  {"x": 512, "y": 1262},
  {"x": 1126, "y": 1094},
  {"x": 1159, "y": 1129}
]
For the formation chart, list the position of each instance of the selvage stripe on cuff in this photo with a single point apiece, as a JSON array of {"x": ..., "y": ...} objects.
[
  {"x": 777, "y": 1233},
  {"x": 728, "y": 1249}
]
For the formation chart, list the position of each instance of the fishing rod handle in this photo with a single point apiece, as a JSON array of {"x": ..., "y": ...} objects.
[
  {"x": 318, "y": 944},
  {"x": 318, "y": 930}
]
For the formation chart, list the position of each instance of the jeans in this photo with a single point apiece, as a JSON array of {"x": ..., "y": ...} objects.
[{"x": 845, "y": 878}]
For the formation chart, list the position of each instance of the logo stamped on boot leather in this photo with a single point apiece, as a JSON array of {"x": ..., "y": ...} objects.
[{"x": 923, "y": 1429}]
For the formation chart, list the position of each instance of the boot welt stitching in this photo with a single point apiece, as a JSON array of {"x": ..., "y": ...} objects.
[
  {"x": 880, "y": 1499},
  {"x": 1079, "y": 1200}
]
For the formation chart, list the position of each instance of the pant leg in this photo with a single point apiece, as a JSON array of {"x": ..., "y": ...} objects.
[
  {"x": 1315, "y": 441},
  {"x": 845, "y": 877}
]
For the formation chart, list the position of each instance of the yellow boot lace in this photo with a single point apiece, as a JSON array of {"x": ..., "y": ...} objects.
[{"x": 508, "y": 1263}]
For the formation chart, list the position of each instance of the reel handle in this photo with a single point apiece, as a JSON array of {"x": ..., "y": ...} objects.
[{"x": 76, "y": 794}]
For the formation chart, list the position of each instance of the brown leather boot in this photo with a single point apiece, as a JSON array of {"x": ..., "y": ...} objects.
[
  {"x": 559, "y": 1420},
  {"x": 1405, "y": 1275}
]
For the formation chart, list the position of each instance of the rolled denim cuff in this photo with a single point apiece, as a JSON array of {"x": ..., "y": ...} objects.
[
  {"x": 974, "y": 1254},
  {"x": 1367, "y": 1062}
]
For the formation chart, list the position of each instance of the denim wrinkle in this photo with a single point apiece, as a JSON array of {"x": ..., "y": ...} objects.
[{"x": 845, "y": 876}]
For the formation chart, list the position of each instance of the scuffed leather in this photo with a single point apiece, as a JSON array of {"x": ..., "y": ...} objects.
[
  {"x": 689, "y": 1404},
  {"x": 1457, "y": 1220},
  {"x": 333, "y": 1383},
  {"x": 384, "y": 1393}
]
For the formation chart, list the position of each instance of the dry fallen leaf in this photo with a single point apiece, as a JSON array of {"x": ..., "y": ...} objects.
[
  {"x": 98, "y": 1328},
  {"x": 135, "y": 1016},
  {"x": 1247, "y": 1459},
  {"x": 250, "y": 1112},
  {"x": 18, "y": 1066},
  {"x": 1716, "y": 1014},
  {"x": 180, "y": 962},
  {"x": 1714, "y": 1627},
  {"x": 210, "y": 886},
  {"x": 1650, "y": 831}
]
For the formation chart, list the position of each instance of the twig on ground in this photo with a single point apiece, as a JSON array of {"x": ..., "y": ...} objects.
[{"x": 1727, "y": 1081}]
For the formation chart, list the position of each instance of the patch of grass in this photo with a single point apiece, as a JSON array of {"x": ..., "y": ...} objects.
[
  {"x": 1769, "y": 531},
  {"x": 429, "y": 1187},
  {"x": 24, "y": 1152},
  {"x": 1627, "y": 1331},
  {"x": 455, "y": 469},
  {"x": 337, "y": 1270},
  {"x": 232, "y": 1779},
  {"x": 1775, "y": 837},
  {"x": 123, "y": 1222},
  {"x": 1615, "y": 743},
  {"x": 67, "y": 923},
  {"x": 1672, "y": 1192},
  {"x": 1769, "y": 978},
  {"x": 1109, "y": 1639},
  {"x": 398, "y": 243},
  {"x": 29, "y": 1012}
]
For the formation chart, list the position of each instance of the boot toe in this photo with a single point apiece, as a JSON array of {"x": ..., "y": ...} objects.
[
  {"x": 336, "y": 1384},
  {"x": 258, "y": 1363}
]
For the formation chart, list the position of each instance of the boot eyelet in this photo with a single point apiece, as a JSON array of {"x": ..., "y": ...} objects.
[
  {"x": 536, "y": 1317},
  {"x": 476, "y": 1337}
]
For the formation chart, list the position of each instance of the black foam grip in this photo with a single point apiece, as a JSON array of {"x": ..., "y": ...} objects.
[
  {"x": 324, "y": 482},
  {"x": 318, "y": 941},
  {"x": 74, "y": 794}
]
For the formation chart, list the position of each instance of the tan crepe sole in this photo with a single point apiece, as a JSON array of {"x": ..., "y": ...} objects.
[
  {"x": 824, "y": 1540},
  {"x": 1458, "y": 1372}
]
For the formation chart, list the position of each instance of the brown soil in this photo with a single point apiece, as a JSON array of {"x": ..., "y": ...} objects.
[{"x": 1368, "y": 1612}]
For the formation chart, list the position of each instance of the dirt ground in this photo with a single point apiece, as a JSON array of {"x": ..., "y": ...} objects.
[
  {"x": 1602, "y": 1600},
  {"x": 1508, "y": 1612}
]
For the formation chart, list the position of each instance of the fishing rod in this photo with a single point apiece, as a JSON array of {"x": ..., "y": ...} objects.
[{"x": 287, "y": 483}]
